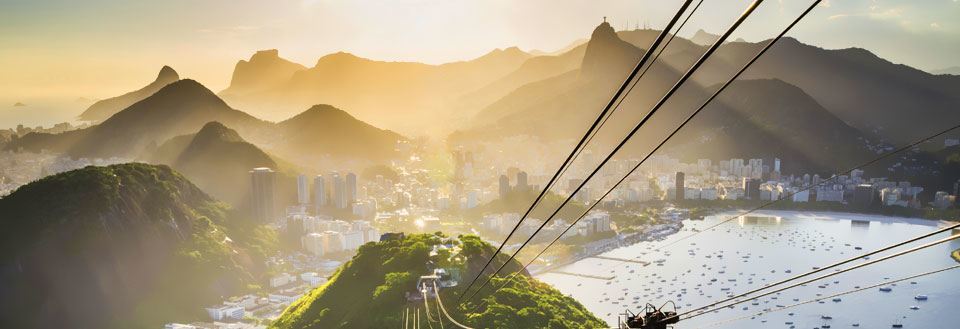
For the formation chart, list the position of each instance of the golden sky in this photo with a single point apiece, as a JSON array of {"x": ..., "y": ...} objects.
[{"x": 99, "y": 48}]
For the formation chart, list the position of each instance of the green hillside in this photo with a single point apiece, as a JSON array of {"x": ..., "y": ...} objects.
[
  {"x": 124, "y": 246},
  {"x": 369, "y": 291}
]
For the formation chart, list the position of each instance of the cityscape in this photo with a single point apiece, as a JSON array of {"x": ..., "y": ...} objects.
[{"x": 432, "y": 164}]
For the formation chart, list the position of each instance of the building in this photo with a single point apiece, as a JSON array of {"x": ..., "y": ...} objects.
[
  {"x": 303, "y": 190},
  {"x": 319, "y": 192},
  {"x": 225, "y": 312},
  {"x": 339, "y": 197},
  {"x": 829, "y": 195},
  {"x": 350, "y": 191},
  {"x": 504, "y": 186},
  {"x": 282, "y": 279},
  {"x": 751, "y": 188},
  {"x": 522, "y": 181},
  {"x": 352, "y": 240},
  {"x": 264, "y": 204},
  {"x": 680, "y": 187},
  {"x": 863, "y": 196}
]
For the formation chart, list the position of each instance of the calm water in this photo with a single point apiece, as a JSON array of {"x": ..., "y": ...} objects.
[{"x": 759, "y": 250}]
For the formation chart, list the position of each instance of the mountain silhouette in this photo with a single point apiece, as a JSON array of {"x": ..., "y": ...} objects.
[
  {"x": 704, "y": 38},
  {"x": 572, "y": 101},
  {"x": 103, "y": 109},
  {"x": 264, "y": 69},
  {"x": 336, "y": 133},
  {"x": 953, "y": 70},
  {"x": 394, "y": 95},
  {"x": 179, "y": 108},
  {"x": 870, "y": 93},
  {"x": 124, "y": 246},
  {"x": 215, "y": 158}
]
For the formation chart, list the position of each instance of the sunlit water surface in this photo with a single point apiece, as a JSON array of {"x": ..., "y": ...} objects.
[{"x": 761, "y": 249}]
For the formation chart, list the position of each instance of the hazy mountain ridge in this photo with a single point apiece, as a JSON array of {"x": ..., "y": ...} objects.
[
  {"x": 115, "y": 247},
  {"x": 264, "y": 69},
  {"x": 387, "y": 94},
  {"x": 767, "y": 127},
  {"x": 184, "y": 107},
  {"x": 215, "y": 158},
  {"x": 103, "y": 109}
]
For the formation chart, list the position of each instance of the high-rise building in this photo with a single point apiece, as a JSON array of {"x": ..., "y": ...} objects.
[
  {"x": 776, "y": 165},
  {"x": 263, "y": 181},
  {"x": 504, "y": 186},
  {"x": 751, "y": 188},
  {"x": 351, "y": 189},
  {"x": 339, "y": 196},
  {"x": 522, "y": 181},
  {"x": 863, "y": 196},
  {"x": 319, "y": 192},
  {"x": 303, "y": 190},
  {"x": 681, "y": 190}
]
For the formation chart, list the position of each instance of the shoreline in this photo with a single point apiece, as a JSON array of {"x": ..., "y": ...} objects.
[
  {"x": 835, "y": 215},
  {"x": 798, "y": 214}
]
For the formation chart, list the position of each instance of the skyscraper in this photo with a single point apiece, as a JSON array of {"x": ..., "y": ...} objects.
[
  {"x": 504, "y": 186},
  {"x": 681, "y": 189},
  {"x": 339, "y": 197},
  {"x": 303, "y": 190},
  {"x": 319, "y": 192},
  {"x": 263, "y": 181},
  {"x": 522, "y": 181},
  {"x": 351, "y": 189}
]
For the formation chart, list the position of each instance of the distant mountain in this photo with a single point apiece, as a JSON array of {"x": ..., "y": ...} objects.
[
  {"x": 103, "y": 109},
  {"x": 370, "y": 290},
  {"x": 215, "y": 158},
  {"x": 704, "y": 38},
  {"x": 953, "y": 70},
  {"x": 883, "y": 99},
  {"x": 124, "y": 246},
  {"x": 324, "y": 129},
  {"x": 396, "y": 95},
  {"x": 265, "y": 69},
  {"x": 179, "y": 108},
  {"x": 771, "y": 118},
  {"x": 778, "y": 119},
  {"x": 153, "y": 129}
]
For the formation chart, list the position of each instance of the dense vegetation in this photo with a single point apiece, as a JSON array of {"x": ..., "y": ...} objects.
[
  {"x": 124, "y": 246},
  {"x": 369, "y": 291}
]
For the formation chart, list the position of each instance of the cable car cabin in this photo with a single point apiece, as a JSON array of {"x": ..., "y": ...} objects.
[
  {"x": 424, "y": 285},
  {"x": 652, "y": 318}
]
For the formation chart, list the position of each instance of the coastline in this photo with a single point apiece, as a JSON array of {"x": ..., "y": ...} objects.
[
  {"x": 799, "y": 214},
  {"x": 835, "y": 215}
]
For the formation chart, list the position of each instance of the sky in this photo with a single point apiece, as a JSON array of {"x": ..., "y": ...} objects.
[{"x": 100, "y": 48}]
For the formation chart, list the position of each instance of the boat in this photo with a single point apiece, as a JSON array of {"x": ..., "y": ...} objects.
[
  {"x": 914, "y": 307},
  {"x": 921, "y": 297},
  {"x": 836, "y": 300},
  {"x": 886, "y": 289}
]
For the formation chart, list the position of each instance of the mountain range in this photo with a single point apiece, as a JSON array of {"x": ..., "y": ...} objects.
[
  {"x": 824, "y": 98},
  {"x": 103, "y": 109},
  {"x": 185, "y": 106},
  {"x": 395, "y": 95}
]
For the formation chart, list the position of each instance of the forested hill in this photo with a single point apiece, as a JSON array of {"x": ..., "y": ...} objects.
[
  {"x": 124, "y": 246},
  {"x": 369, "y": 291}
]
